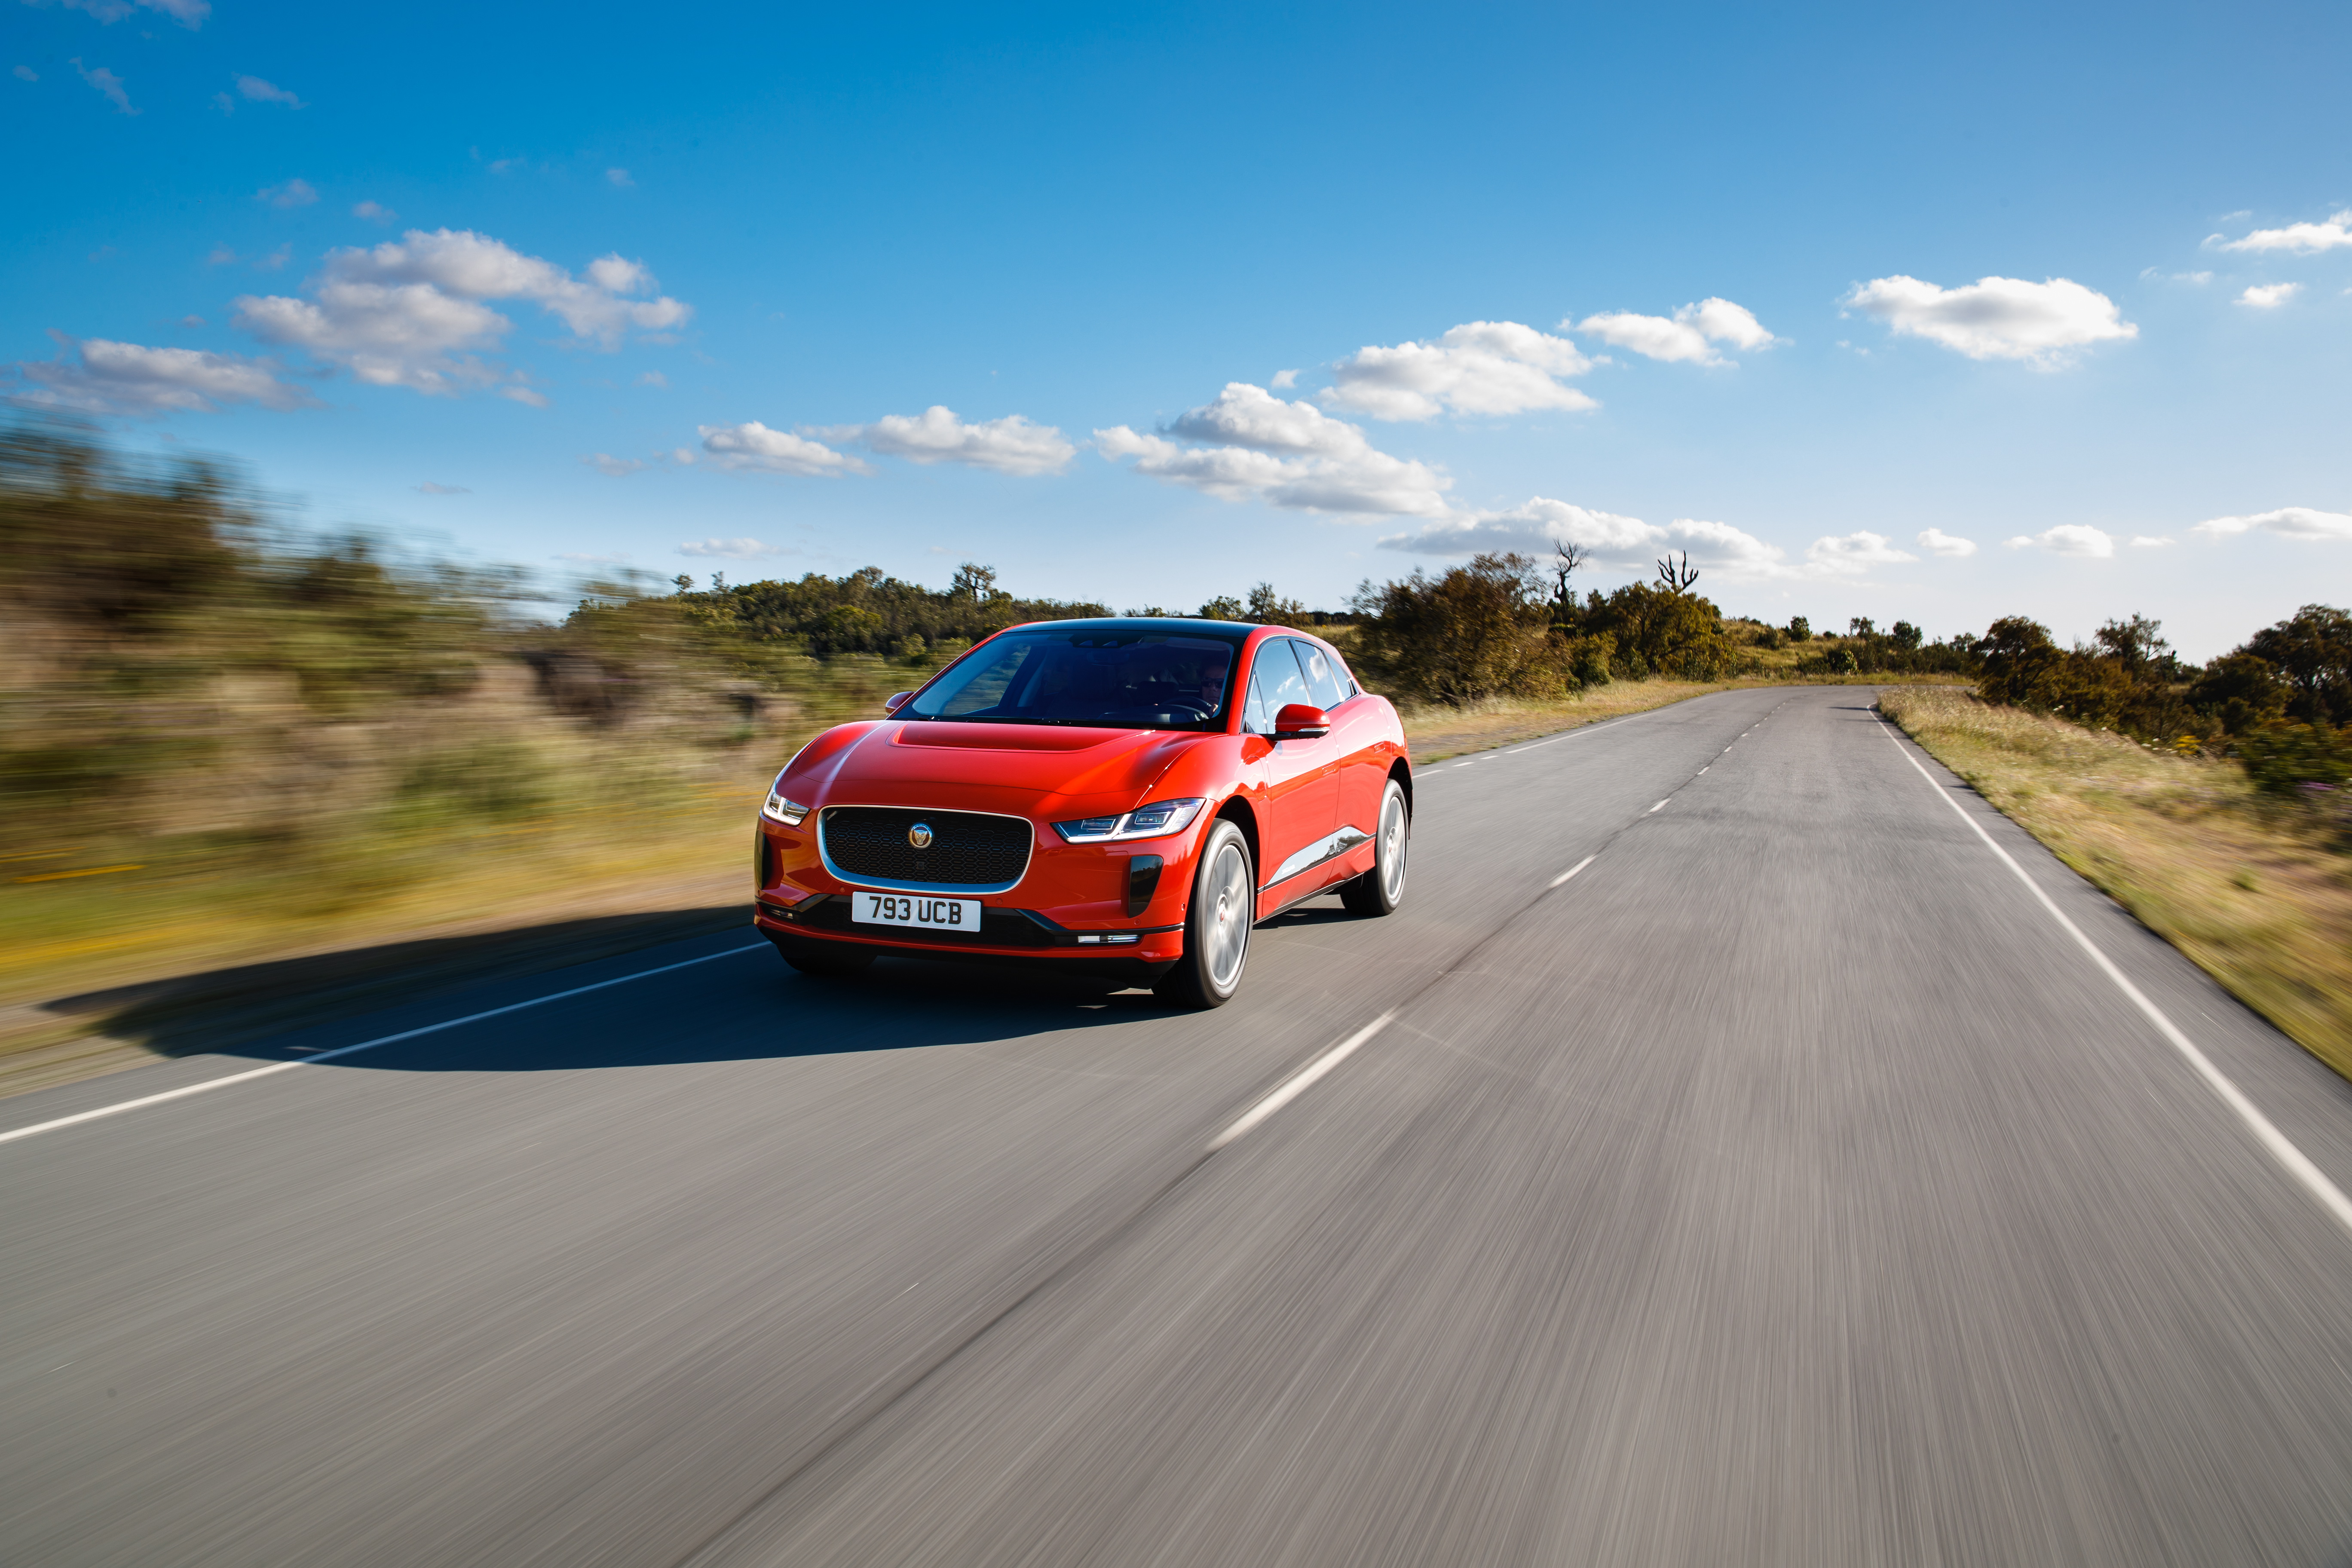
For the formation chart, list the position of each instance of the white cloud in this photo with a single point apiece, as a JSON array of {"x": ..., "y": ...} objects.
[
  {"x": 579, "y": 559},
  {"x": 2146, "y": 542},
  {"x": 619, "y": 177},
  {"x": 1690, "y": 336},
  {"x": 653, "y": 378},
  {"x": 1996, "y": 317},
  {"x": 187, "y": 13},
  {"x": 2068, "y": 539},
  {"x": 2298, "y": 238},
  {"x": 375, "y": 212},
  {"x": 611, "y": 467},
  {"x": 257, "y": 90},
  {"x": 1541, "y": 523},
  {"x": 1251, "y": 416},
  {"x": 106, "y": 82},
  {"x": 1284, "y": 380},
  {"x": 26, "y": 73},
  {"x": 753, "y": 445},
  {"x": 1008, "y": 445},
  {"x": 105, "y": 377},
  {"x": 2291, "y": 522},
  {"x": 2269, "y": 296},
  {"x": 1258, "y": 446},
  {"x": 1936, "y": 541},
  {"x": 410, "y": 312},
  {"x": 472, "y": 266},
  {"x": 535, "y": 398},
  {"x": 1534, "y": 527},
  {"x": 1852, "y": 554},
  {"x": 731, "y": 549},
  {"x": 292, "y": 193},
  {"x": 430, "y": 488},
  {"x": 222, "y": 256},
  {"x": 1479, "y": 367}
]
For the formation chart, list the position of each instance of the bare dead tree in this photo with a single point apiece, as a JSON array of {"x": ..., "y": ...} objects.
[
  {"x": 1569, "y": 557},
  {"x": 1676, "y": 573}
]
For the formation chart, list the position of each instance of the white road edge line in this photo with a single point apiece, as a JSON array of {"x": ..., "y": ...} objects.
[
  {"x": 2297, "y": 1164},
  {"x": 209, "y": 1084},
  {"x": 1659, "y": 807},
  {"x": 1299, "y": 1081},
  {"x": 1571, "y": 871}
]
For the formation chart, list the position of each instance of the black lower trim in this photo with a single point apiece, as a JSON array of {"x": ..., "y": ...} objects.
[
  {"x": 1092, "y": 962},
  {"x": 830, "y": 913}
]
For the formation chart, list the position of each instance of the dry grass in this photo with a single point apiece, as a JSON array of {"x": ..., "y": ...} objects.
[{"x": 2258, "y": 893}]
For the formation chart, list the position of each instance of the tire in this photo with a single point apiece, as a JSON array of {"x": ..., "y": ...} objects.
[
  {"x": 1223, "y": 908},
  {"x": 1381, "y": 889},
  {"x": 823, "y": 958}
]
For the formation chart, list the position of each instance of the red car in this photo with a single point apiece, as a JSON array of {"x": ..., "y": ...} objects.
[{"x": 1123, "y": 797}]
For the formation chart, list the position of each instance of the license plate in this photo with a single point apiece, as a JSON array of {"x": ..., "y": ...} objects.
[{"x": 913, "y": 910}]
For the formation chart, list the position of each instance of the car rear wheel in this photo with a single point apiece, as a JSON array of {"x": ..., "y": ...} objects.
[
  {"x": 1381, "y": 889},
  {"x": 822, "y": 957},
  {"x": 1217, "y": 925}
]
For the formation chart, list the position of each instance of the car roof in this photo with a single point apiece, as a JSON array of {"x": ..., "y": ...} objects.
[{"x": 1234, "y": 630}]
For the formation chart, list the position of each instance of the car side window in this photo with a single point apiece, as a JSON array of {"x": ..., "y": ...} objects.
[
  {"x": 1322, "y": 679},
  {"x": 1275, "y": 684}
]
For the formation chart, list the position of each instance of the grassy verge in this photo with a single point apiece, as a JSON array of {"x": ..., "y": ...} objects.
[{"x": 2257, "y": 892}]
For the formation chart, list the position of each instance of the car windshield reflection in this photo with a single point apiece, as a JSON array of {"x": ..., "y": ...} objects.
[{"x": 1115, "y": 677}]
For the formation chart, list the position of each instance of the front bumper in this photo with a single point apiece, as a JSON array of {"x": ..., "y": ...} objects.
[{"x": 1071, "y": 902}]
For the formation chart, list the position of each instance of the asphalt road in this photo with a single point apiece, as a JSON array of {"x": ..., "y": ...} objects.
[{"x": 1787, "y": 1186}]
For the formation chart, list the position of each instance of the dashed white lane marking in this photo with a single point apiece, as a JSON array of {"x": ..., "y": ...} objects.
[
  {"x": 1571, "y": 871},
  {"x": 1708, "y": 765},
  {"x": 1300, "y": 1080},
  {"x": 1659, "y": 807},
  {"x": 2297, "y": 1164},
  {"x": 210, "y": 1084}
]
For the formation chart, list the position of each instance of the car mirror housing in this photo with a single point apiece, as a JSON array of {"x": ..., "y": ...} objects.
[
  {"x": 1301, "y": 721},
  {"x": 897, "y": 701}
]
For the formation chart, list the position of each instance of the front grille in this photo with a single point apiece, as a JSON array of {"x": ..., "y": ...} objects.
[{"x": 967, "y": 848}]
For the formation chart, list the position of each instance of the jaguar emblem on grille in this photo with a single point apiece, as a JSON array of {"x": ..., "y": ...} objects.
[{"x": 920, "y": 835}]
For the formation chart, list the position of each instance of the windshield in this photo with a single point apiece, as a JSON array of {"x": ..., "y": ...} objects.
[{"x": 1119, "y": 680}]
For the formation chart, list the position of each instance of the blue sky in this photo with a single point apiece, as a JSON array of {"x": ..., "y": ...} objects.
[{"x": 1309, "y": 294}]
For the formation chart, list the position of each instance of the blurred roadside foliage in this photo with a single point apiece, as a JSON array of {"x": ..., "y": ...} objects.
[{"x": 194, "y": 689}]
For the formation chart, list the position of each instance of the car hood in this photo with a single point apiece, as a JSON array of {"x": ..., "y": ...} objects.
[{"x": 1046, "y": 759}]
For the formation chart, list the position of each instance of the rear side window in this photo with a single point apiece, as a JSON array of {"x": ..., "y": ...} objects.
[
  {"x": 1323, "y": 679},
  {"x": 1275, "y": 684}
]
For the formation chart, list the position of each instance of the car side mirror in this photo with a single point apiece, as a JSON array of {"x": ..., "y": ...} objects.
[
  {"x": 897, "y": 701},
  {"x": 1301, "y": 721}
]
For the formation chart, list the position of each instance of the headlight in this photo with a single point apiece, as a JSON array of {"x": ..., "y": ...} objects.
[
  {"x": 779, "y": 809},
  {"x": 1157, "y": 820}
]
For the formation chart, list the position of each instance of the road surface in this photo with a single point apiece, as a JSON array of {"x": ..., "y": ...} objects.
[{"x": 1786, "y": 1186}]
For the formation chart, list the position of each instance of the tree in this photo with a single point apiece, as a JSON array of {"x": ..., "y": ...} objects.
[
  {"x": 1676, "y": 573},
  {"x": 1268, "y": 608},
  {"x": 973, "y": 581},
  {"x": 2134, "y": 642},
  {"x": 1907, "y": 636},
  {"x": 1860, "y": 627},
  {"x": 2313, "y": 650},
  {"x": 1800, "y": 629},
  {"x": 1223, "y": 607},
  {"x": 1477, "y": 631},
  {"x": 1567, "y": 557}
]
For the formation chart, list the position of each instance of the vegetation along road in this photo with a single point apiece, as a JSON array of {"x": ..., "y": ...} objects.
[{"x": 1744, "y": 1147}]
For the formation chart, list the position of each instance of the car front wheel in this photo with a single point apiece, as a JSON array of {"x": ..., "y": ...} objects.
[
  {"x": 1217, "y": 925},
  {"x": 1381, "y": 889}
]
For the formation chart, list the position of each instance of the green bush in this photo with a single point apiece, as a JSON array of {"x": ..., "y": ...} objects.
[{"x": 2283, "y": 758}]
